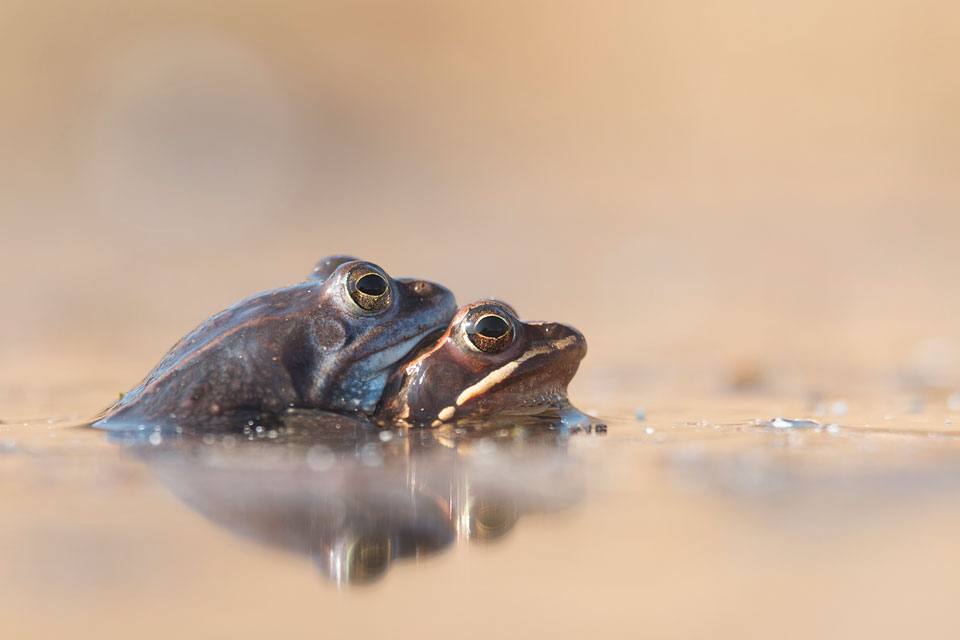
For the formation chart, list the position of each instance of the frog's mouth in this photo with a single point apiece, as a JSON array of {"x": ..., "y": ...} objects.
[
  {"x": 398, "y": 353},
  {"x": 427, "y": 341}
]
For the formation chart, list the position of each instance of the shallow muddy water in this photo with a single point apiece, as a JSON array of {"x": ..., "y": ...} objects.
[
  {"x": 748, "y": 209},
  {"x": 727, "y": 514}
]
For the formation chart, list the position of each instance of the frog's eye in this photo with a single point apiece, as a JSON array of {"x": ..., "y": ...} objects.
[
  {"x": 367, "y": 558},
  {"x": 368, "y": 289},
  {"x": 490, "y": 332}
]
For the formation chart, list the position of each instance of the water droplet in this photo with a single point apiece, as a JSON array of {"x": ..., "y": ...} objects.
[
  {"x": 370, "y": 455},
  {"x": 319, "y": 457},
  {"x": 838, "y": 407}
]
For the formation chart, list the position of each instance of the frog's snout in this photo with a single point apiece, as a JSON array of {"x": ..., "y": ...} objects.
[
  {"x": 432, "y": 295},
  {"x": 562, "y": 338}
]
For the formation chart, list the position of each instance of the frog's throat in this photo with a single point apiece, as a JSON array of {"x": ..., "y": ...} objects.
[{"x": 366, "y": 385}]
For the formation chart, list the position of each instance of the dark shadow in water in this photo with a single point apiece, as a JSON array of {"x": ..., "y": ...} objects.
[{"x": 355, "y": 497}]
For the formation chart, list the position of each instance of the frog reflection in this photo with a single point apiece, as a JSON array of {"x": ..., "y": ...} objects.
[{"x": 356, "y": 498}]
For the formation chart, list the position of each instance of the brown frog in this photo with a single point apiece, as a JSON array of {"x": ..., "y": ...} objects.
[
  {"x": 327, "y": 343},
  {"x": 486, "y": 362}
]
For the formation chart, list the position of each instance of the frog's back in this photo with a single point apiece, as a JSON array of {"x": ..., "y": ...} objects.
[{"x": 239, "y": 359}]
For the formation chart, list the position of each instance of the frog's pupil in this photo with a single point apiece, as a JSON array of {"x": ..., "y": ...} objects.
[
  {"x": 372, "y": 285},
  {"x": 492, "y": 326}
]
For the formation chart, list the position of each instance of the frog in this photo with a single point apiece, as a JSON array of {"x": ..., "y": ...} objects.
[
  {"x": 327, "y": 343},
  {"x": 486, "y": 362}
]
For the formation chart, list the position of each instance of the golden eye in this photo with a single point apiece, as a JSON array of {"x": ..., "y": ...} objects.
[
  {"x": 490, "y": 333},
  {"x": 368, "y": 289}
]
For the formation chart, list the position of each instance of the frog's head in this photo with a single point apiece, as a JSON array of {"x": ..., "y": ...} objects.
[
  {"x": 365, "y": 325},
  {"x": 487, "y": 361}
]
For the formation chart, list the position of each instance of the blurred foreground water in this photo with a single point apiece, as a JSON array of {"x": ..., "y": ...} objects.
[{"x": 728, "y": 514}]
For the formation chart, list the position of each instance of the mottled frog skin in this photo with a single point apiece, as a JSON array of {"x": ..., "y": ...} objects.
[
  {"x": 327, "y": 343},
  {"x": 486, "y": 362}
]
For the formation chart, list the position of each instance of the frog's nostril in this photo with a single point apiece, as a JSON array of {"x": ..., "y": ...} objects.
[{"x": 426, "y": 289}]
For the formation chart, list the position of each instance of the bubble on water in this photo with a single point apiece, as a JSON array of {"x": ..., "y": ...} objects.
[
  {"x": 209, "y": 439},
  {"x": 228, "y": 442},
  {"x": 485, "y": 446},
  {"x": 833, "y": 429},
  {"x": 370, "y": 455},
  {"x": 272, "y": 434},
  {"x": 319, "y": 457},
  {"x": 649, "y": 431},
  {"x": 386, "y": 436},
  {"x": 155, "y": 438}
]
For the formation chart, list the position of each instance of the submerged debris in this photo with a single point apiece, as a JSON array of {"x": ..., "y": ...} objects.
[{"x": 783, "y": 423}]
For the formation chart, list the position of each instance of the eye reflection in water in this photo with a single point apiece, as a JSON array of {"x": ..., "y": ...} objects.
[{"x": 355, "y": 497}]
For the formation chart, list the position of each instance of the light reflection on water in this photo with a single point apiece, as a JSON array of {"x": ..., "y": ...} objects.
[
  {"x": 702, "y": 503},
  {"x": 356, "y": 498}
]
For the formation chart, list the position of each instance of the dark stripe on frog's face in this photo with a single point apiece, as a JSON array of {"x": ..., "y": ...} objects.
[{"x": 454, "y": 378}]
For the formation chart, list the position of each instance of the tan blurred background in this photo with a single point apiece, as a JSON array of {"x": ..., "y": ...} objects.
[{"x": 740, "y": 189}]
